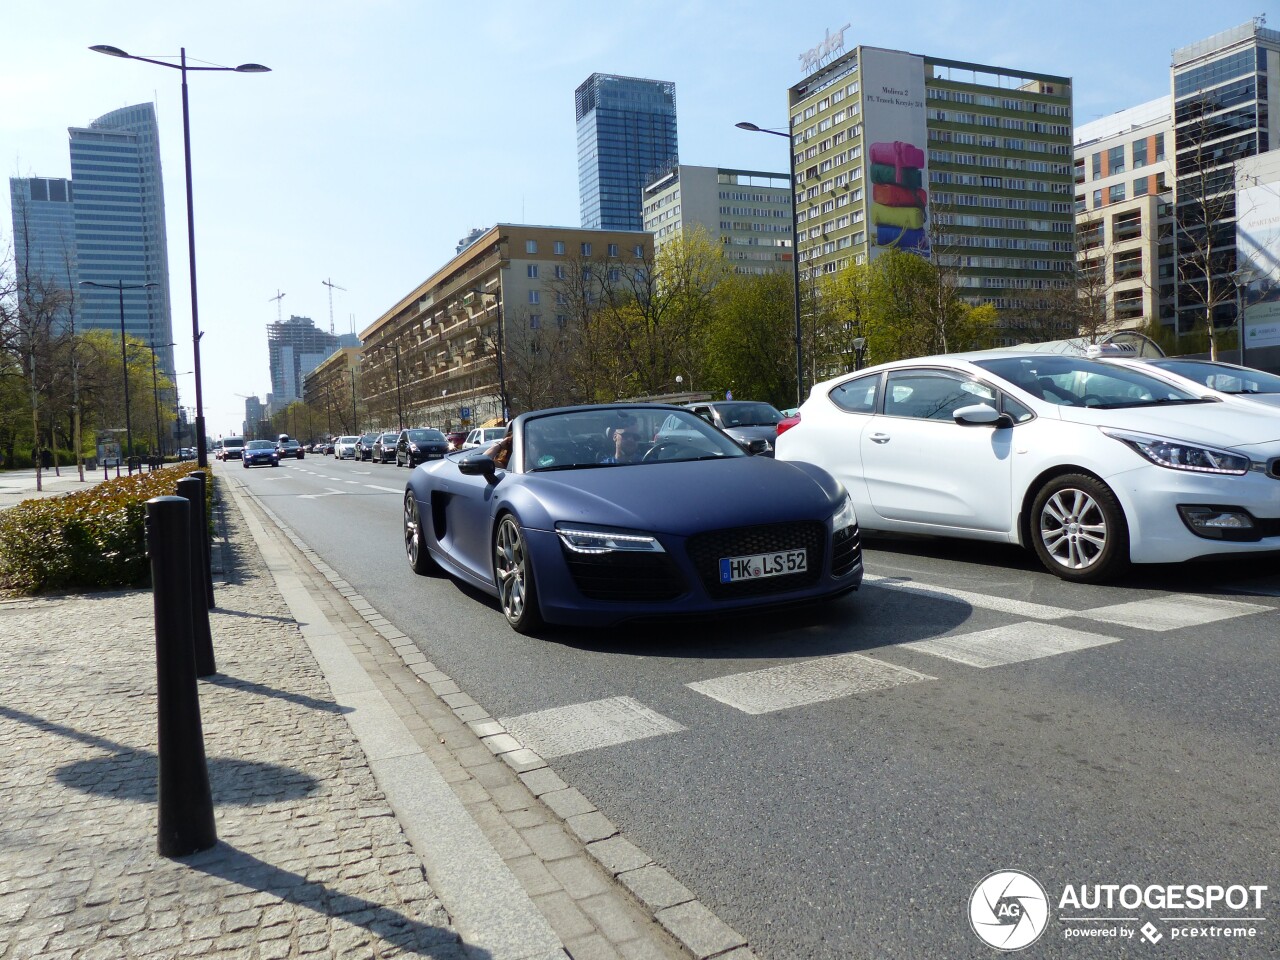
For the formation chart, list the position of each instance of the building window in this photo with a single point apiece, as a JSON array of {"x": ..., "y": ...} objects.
[
  {"x": 1140, "y": 187},
  {"x": 535, "y": 321},
  {"x": 1159, "y": 147},
  {"x": 533, "y": 296},
  {"x": 613, "y": 249},
  {"x": 561, "y": 320},
  {"x": 533, "y": 271},
  {"x": 1097, "y": 166},
  {"x": 559, "y": 247},
  {"x": 1139, "y": 153},
  {"x": 1116, "y": 193},
  {"x": 1097, "y": 199},
  {"x": 1115, "y": 160},
  {"x": 531, "y": 246},
  {"x": 586, "y": 249},
  {"x": 639, "y": 251},
  {"x": 560, "y": 274}
]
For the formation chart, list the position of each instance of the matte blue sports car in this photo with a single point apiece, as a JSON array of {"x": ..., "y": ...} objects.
[{"x": 578, "y": 516}]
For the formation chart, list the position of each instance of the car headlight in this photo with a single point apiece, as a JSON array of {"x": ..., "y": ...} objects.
[
  {"x": 1177, "y": 455},
  {"x": 581, "y": 539},
  {"x": 844, "y": 517}
]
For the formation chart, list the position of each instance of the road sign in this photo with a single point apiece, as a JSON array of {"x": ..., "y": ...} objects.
[{"x": 464, "y": 413}]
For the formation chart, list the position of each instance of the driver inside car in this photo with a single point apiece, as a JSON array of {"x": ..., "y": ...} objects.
[{"x": 626, "y": 445}]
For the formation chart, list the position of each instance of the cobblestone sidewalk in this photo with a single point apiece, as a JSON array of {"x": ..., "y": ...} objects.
[{"x": 311, "y": 861}]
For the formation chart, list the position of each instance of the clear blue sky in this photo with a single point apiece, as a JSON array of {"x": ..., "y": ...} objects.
[{"x": 389, "y": 128}]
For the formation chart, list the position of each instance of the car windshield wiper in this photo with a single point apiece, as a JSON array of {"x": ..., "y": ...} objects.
[
  {"x": 1163, "y": 401},
  {"x": 571, "y": 466}
]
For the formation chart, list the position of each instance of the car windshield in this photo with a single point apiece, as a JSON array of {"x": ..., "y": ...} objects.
[
  {"x": 390, "y": 437},
  {"x": 1082, "y": 382},
  {"x": 426, "y": 436},
  {"x": 348, "y": 439},
  {"x": 260, "y": 445},
  {"x": 620, "y": 436},
  {"x": 232, "y": 443},
  {"x": 1222, "y": 376},
  {"x": 747, "y": 414}
]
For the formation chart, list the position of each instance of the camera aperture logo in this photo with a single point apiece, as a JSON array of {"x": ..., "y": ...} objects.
[{"x": 1008, "y": 910}]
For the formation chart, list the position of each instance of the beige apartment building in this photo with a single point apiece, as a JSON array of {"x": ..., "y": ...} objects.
[
  {"x": 1124, "y": 213},
  {"x": 748, "y": 212},
  {"x": 441, "y": 356}
]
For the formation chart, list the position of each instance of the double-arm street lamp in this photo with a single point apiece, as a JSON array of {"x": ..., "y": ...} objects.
[
  {"x": 121, "y": 287},
  {"x": 502, "y": 370},
  {"x": 795, "y": 242},
  {"x": 201, "y": 454}
]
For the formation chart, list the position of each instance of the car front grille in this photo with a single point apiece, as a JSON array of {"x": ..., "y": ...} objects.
[
  {"x": 846, "y": 551},
  {"x": 707, "y": 549},
  {"x": 625, "y": 576}
]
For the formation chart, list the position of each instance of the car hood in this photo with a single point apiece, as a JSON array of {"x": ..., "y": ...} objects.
[
  {"x": 753, "y": 431},
  {"x": 678, "y": 497},
  {"x": 1216, "y": 424}
]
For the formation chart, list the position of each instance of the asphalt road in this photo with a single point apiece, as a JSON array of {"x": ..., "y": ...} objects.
[{"x": 835, "y": 783}]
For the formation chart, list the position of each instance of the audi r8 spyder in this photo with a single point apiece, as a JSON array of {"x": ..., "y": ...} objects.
[{"x": 563, "y": 525}]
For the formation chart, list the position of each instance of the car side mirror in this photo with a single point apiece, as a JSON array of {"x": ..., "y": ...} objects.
[
  {"x": 757, "y": 446},
  {"x": 981, "y": 414},
  {"x": 479, "y": 467}
]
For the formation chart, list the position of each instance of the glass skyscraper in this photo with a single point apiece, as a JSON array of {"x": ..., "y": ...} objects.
[
  {"x": 119, "y": 225},
  {"x": 626, "y": 139},
  {"x": 44, "y": 231}
]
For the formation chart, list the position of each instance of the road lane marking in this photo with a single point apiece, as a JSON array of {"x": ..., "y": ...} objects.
[
  {"x": 374, "y": 486},
  {"x": 1019, "y": 608},
  {"x": 1014, "y": 643},
  {"x": 805, "y": 682},
  {"x": 561, "y": 731},
  {"x": 1173, "y": 612},
  {"x": 328, "y": 493}
]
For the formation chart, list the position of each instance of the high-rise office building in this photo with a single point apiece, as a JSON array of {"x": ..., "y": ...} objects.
[
  {"x": 626, "y": 139},
  {"x": 106, "y": 225},
  {"x": 1224, "y": 110},
  {"x": 119, "y": 225},
  {"x": 966, "y": 162},
  {"x": 44, "y": 230},
  {"x": 296, "y": 347}
]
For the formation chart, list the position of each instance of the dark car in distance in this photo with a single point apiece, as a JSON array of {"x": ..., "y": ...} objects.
[
  {"x": 259, "y": 453},
  {"x": 418, "y": 446},
  {"x": 290, "y": 448},
  {"x": 384, "y": 448},
  {"x": 744, "y": 420},
  {"x": 364, "y": 446}
]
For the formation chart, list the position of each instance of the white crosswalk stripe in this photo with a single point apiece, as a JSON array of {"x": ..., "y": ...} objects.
[
  {"x": 981, "y": 601},
  {"x": 808, "y": 681},
  {"x": 561, "y": 731},
  {"x": 1173, "y": 612},
  {"x": 1014, "y": 643}
]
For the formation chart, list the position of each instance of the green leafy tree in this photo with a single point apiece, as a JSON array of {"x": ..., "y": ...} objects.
[{"x": 748, "y": 344}]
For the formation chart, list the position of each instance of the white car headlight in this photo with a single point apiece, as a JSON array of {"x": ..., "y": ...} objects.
[
  {"x": 844, "y": 517},
  {"x": 591, "y": 540},
  {"x": 1177, "y": 455}
]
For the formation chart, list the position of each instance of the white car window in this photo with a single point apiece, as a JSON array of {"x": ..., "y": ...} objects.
[{"x": 932, "y": 395}]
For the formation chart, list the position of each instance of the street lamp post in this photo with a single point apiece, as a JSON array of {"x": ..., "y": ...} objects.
[
  {"x": 502, "y": 372},
  {"x": 355, "y": 419},
  {"x": 202, "y": 455},
  {"x": 120, "y": 286},
  {"x": 795, "y": 242},
  {"x": 1241, "y": 278},
  {"x": 859, "y": 351}
]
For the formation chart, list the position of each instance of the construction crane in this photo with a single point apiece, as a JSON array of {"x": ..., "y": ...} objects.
[
  {"x": 332, "y": 287},
  {"x": 277, "y": 298}
]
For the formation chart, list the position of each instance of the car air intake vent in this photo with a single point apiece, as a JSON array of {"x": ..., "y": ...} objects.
[
  {"x": 1273, "y": 468},
  {"x": 706, "y": 550},
  {"x": 846, "y": 551},
  {"x": 625, "y": 576}
]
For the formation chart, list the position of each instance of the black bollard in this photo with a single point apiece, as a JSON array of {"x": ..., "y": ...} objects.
[
  {"x": 185, "y": 801},
  {"x": 189, "y": 487},
  {"x": 204, "y": 533}
]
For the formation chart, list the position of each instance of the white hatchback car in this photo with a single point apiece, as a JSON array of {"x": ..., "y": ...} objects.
[
  {"x": 345, "y": 447},
  {"x": 482, "y": 436},
  {"x": 1092, "y": 465}
]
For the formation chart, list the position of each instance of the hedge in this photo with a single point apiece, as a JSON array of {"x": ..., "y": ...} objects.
[{"x": 92, "y": 539}]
